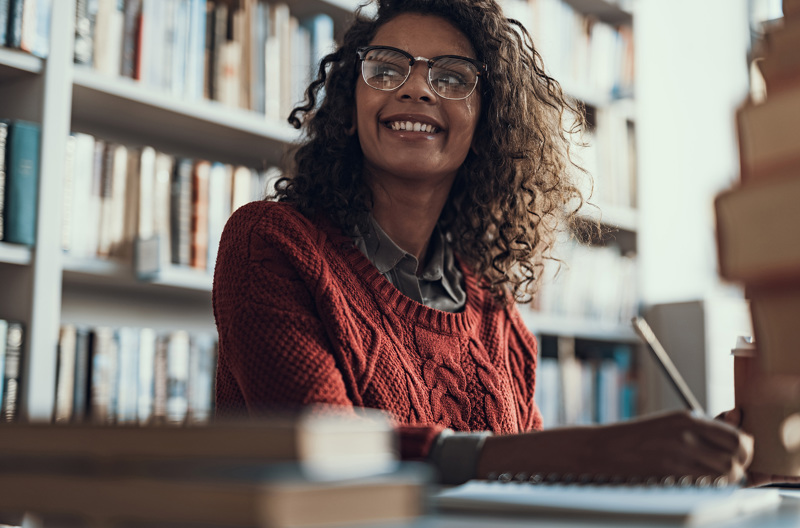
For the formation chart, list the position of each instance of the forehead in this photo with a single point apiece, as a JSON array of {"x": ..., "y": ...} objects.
[{"x": 424, "y": 35}]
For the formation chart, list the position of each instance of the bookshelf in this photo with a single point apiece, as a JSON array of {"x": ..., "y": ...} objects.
[
  {"x": 124, "y": 110},
  {"x": 57, "y": 288},
  {"x": 46, "y": 288}
]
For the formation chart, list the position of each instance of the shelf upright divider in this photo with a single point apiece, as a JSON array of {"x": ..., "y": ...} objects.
[{"x": 39, "y": 363}]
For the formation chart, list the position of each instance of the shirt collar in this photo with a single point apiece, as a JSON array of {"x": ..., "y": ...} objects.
[{"x": 386, "y": 255}]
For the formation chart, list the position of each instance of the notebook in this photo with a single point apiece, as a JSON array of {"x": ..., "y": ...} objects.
[{"x": 681, "y": 504}]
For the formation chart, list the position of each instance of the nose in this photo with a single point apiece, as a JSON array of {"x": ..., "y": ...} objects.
[{"x": 416, "y": 87}]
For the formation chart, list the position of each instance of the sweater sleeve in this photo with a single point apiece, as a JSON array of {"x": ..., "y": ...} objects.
[{"x": 274, "y": 349}]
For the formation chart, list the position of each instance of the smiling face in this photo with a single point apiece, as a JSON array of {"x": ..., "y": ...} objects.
[{"x": 411, "y": 132}]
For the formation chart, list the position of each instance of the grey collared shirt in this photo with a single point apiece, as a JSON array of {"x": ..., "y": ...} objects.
[{"x": 439, "y": 285}]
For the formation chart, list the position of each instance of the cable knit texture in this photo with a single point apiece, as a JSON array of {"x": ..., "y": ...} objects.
[{"x": 304, "y": 317}]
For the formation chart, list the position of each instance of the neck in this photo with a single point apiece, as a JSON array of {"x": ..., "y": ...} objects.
[{"x": 408, "y": 212}]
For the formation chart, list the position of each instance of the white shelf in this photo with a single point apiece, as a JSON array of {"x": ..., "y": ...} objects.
[
  {"x": 117, "y": 107},
  {"x": 603, "y": 10},
  {"x": 15, "y": 254},
  {"x": 15, "y": 63},
  {"x": 540, "y": 323},
  {"x": 185, "y": 278},
  {"x": 113, "y": 273},
  {"x": 622, "y": 218}
]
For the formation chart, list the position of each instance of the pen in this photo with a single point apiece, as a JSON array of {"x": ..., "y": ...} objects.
[{"x": 662, "y": 358}]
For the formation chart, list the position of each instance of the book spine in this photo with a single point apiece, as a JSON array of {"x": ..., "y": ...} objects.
[
  {"x": 5, "y": 6},
  {"x": 83, "y": 353},
  {"x": 14, "y": 31},
  {"x": 132, "y": 14},
  {"x": 65, "y": 375},
  {"x": 197, "y": 50},
  {"x": 3, "y": 342},
  {"x": 104, "y": 369},
  {"x": 181, "y": 212},
  {"x": 3, "y": 143},
  {"x": 177, "y": 377},
  {"x": 208, "y": 62},
  {"x": 159, "y": 415},
  {"x": 128, "y": 400},
  {"x": 83, "y": 34},
  {"x": 15, "y": 336},
  {"x": 22, "y": 183},
  {"x": 202, "y": 365},
  {"x": 199, "y": 245},
  {"x": 106, "y": 201},
  {"x": 28, "y": 36},
  {"x": 147, "y": 368},
  {"x": 68, "y": 198},
  {"x": 41, "y": 44},
  {"x": 220, "y": 30}
]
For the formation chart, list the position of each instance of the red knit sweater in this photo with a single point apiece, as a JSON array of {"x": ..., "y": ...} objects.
[{"x": 304, "y": 317}]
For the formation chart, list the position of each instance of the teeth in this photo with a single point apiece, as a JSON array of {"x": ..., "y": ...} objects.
[{"x": 408, "y": 125}]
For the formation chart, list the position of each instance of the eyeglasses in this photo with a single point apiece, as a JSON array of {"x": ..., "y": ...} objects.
[{"x": 450, "y": 76}]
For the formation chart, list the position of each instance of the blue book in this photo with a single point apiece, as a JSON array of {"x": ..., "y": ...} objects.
[
  {"x": 322, "y": 41},
  {"x": 4, "y": 5},
  {"x": 22, "y": 182},
  {"x": 41, "y": 44},
  {"x": 3, "y": 140},
  {"x": 14, "y": 35}
]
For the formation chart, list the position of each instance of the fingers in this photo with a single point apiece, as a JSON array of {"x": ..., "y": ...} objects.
[
  {"x": 761, "y": 479},
  {"x": 701, "y": 447}
]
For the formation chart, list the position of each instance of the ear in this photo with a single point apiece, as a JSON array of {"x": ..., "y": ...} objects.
[{"x": 353, "y": 123}]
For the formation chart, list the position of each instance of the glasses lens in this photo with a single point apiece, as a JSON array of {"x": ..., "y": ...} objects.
[
  {"x": 453, "y": 78},
  {"x": 384, "y": 69}
]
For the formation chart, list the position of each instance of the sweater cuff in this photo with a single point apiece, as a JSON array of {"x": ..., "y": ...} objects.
[{"x": 455, "y": 455}]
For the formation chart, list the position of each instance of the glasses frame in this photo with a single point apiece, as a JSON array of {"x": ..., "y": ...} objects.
[{"x": 480, "y": 66}]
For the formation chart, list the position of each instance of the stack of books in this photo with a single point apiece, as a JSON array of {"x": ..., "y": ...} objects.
[
  {"x": 758, "y": 242},
  {"x": 317, "y": 468}
]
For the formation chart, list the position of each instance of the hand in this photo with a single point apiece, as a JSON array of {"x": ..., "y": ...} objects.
[
  {"x": 673, "y": 444},
  {"x": 754, "y": 478}
]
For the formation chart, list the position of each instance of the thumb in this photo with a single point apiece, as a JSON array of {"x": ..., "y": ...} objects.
[{"x": 732, "y": 417}]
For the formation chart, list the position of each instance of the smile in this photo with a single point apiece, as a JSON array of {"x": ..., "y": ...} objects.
[{"x": 411, "y": 126}]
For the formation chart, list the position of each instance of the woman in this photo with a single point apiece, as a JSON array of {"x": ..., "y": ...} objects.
[{"x": 421, "y": 206}]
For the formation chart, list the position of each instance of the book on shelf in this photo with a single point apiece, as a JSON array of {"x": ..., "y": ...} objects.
[
  {"x": 133, "y": 376},
  {"x": 591, "y": 383},
  {"x": 756, "y": 231},
  {"x": 4, "y": 8},
  {"x": 584, "y": 53},
  {"x": 140, "y": 204},
  {"x": 3, "y": 143},
  {"x": 85, "y": 13},
  {"x": 22, "y": 182},
  {"x": 653, "y": 504},
  {"x": 14, "y": 33},
  {"x": 108, "y": 36},
  {"x": 593, "y": 283},
  {"x": 252, "y": 54},
  {"x": 27, "y": 25},
  {"x": 12, "y": 336}
]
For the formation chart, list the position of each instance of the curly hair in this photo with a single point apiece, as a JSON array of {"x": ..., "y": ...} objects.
[{"x": 516, "y": 187}]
